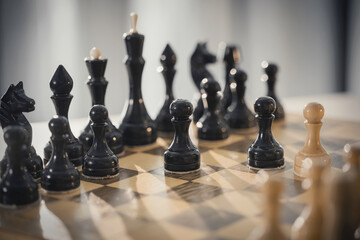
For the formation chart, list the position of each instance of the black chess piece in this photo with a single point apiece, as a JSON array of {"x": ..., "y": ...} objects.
[
  {"x": 97, "y": 85},
  {"x": 100, "y": 162},
  {"x": 199, "y": 59},
  {"x": 59, "y": 175},
  {"x": 265, "y": 152},
  {"x": 238, "y": 115},
  {"x": 212, "y": 126},
  {"x": 137, "y": 126},
  {"x": 182, "y": 155},
  {"x": 167, "y": 60},
  {"x": 17, "y": 186},
  {"x": 61, "y": 85},
  {"x": 231, "y": 60},
  {"x": 270, "y": 77},
  {"x": 13, "y": 103}
]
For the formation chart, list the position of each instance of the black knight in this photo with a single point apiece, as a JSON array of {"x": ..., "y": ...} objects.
[{"x": 13, "y": 103}]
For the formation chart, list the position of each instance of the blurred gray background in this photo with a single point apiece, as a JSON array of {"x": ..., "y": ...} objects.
[{"x": 315, "y": 44}]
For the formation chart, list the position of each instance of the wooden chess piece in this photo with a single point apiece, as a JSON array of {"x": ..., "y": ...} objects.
[
  {"x": 352, "y": 168},
  {"x": 59, "y": 175},
  {"x": 238, "y": 115},
  {"x": 61, "y": 85},
  {"x": 13, "y": 103},
  {"x": 231, "y": 60},
  {"x": 167, "y": 60},
  {"x": 270, "y": 78},
  {"x": 182, "y": 155},
  {"x": 341, "y": 216},
  {"x": 271, "y": 228},
  {"x": 17, "y": 186},
  {"x": 97, "y": 84},
  {"x": 265, "y": 152},
  {"x": 100, "y": 162},
  {"x": 137, "y": 126},
  {"x": 311, "y": 222},
  {"x": 199, "y": 59},
  {"x": 212, "y": 126},
  {"x": 313, "y": 150}
]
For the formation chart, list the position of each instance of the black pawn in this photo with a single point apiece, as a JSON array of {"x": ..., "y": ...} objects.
[
  {"x": 231, "y": 60},
  {"x": 100, "y": 162},
  {"x": 212, "y": 125},
  {"x": 97, "y": 85},
  {"x": 59, "y": 174},
  {"x": 270, "y": 77},
  {"x": 238, "y": 114},
  {"x": 17, "y": 187},
  {"x": 265, "y": 152},
  {"x": 61, "y": 85},
  {"x": 137, "y": 126},
  {"x": 167, "y": 60},
  {"x": 199, "y": 59},
  {"x": 182, "y": 155}
]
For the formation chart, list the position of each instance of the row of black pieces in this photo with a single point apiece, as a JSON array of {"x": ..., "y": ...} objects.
[
  {"x": 18, "y": 187},
  {"x": 202, "y": 57}
]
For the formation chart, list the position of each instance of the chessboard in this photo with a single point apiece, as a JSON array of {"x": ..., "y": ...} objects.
[{"x": 221, "y": 201}]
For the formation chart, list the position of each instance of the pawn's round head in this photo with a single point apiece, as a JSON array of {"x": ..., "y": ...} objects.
[
  {"x": 238, "y": 76},
  {"x": 58, "y": 125},
  {"x": 313, "y": 112},
  {"x": 15, "y": 135},
  {"x": 270, "y": 68},
  {"x": 352, "y": 154},
  {"x": 181, "y": 109},
  {"x": 210, "y": 86},
  {"x": 265, "y": 106},
  {"x": 99, "y": 114}
]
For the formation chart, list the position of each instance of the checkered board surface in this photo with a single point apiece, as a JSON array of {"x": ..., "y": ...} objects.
[{"x": 221, "y": 201}]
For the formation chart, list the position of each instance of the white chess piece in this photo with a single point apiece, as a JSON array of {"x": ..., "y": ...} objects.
[{"x": 313, "y": 150}]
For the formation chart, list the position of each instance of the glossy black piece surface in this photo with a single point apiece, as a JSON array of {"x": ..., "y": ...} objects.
[
  {"x": 13, "y": 103},
  {"x": 265, "y": 152},
  {"x": 231, "y": 60},
  {"x": 61, "y": 85},
  {"x": 212, "y": 125},
  {"x": 167, "y": 60},
  {"x": 100, "y": 161},
  {"x": 182, "y": 155},
  {"x": 238, "y": 115},
  {"x": 137, "y": 126},
  {"x": 199, "y": 59},
  {"x": 59, "y": 174},
  {"x": 271, "y": 71},
  {"x": 17, "y": 186},
  {"x": 97, "y": 85}
]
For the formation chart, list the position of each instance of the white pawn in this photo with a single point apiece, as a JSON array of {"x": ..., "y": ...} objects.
[
  {"x": 310, "y": 224},
  {"x": 313, "y": 150},
  {"x": 270, "y": 229},
  {"x": 341, "y": 216},
  {"x": 352, "y": 170}
]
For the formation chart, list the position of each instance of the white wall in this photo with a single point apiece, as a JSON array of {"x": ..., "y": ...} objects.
[{"x": 38, "y": 35}]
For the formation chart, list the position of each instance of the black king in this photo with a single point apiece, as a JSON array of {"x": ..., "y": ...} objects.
[{"x": 137, "y": 126}]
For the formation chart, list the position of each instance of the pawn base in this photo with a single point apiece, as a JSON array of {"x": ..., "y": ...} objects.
[
  {"x": 182, "y": 173},
  {"x": 303, "y": 162},
  {"x": 100, "y": 178},
  {"x": 268, "y": 168},
  {"x": 181, "y": 161}
]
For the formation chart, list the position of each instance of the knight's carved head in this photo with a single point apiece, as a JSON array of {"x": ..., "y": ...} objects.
[
  {"x": 16, "y": 100},
  {"x": 202, "y": 54}
]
